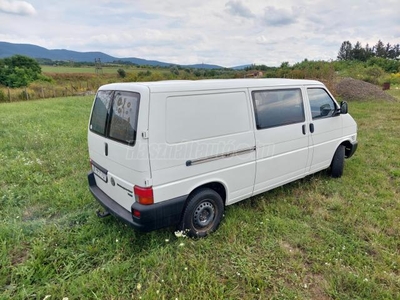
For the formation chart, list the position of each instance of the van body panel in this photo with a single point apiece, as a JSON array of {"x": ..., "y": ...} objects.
[
  {"x": 282, "y": 154},
  {"x": 245, "y": 136},
  {"x": 209, "y": 116},
  {"x": 191, "y": 133},
  {"x": 349, "y": 127},
  {"x": 237, "y": 178},
  {"x": 326, "y": 137}
]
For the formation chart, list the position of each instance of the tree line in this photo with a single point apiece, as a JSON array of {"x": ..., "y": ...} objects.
[
  {"x": 357, "y": 52},
  {"x": 19, "y": 70}
]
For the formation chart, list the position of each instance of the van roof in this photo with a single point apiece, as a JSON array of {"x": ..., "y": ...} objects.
[{"x": 208, "y": 84}]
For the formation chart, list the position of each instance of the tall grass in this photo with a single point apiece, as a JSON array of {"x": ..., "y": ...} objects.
[{"x": 316, "y": 238}]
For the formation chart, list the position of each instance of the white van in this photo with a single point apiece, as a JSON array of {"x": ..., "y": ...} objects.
[{"x": 175, "y": 153}]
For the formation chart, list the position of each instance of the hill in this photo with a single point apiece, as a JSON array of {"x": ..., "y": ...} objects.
[{"x": 34, "y": 51}]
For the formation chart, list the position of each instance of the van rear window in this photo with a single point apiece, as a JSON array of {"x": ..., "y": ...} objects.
[{"x": 115, "y": 115}]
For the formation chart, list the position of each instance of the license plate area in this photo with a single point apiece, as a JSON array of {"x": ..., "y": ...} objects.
[{"x": 100, "y": 172}]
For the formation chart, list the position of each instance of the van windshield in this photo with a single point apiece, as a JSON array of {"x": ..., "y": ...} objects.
[{"x": 115, "y": 115}]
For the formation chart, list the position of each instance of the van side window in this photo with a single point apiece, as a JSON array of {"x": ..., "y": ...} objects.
[
  {"x": 124, "y": 117},
  {"x": 100, "y": 111},
  {"x": 278, "y": 107},
  {"x": 322, "y": 105}
]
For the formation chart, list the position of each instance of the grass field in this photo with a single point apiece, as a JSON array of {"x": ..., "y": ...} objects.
[
  {"x": 84, "y": 69},
  {"x": 316, "y": 238}
]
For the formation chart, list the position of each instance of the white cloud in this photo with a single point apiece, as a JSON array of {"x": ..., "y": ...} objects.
[
  {"x": 278, "y": 16},
  {"x": 227, "y": 33},
  {"x": 237, "y": 8},
  {"x": 17, "y": 7}
]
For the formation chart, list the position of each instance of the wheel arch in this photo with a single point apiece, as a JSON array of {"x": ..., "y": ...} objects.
[
  {"x": 217, "y": 186},
  {"x": 348, "y": 148}
]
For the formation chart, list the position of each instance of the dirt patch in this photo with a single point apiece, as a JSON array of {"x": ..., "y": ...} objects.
[
  {"x": 358, "y": 90},
  {"x": 18, "y": 256},
  {"x": 317, "y": 285},
  {"x": 289, "y": 248}
]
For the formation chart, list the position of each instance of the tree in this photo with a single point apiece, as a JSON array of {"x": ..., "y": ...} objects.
[
  {"x": 380, "y": 49},
  {"x": 393, "y": 51},
  {"x": 121, "y": 72},
  {"x": 18, "y": 70},
  {"x": 285, "y": 65},
  {"x": 174, "y": 70},
  {"x": 369, "y": 52},
  {"x": 345, "y": 51},
  {"x": 358, "y": 52}
]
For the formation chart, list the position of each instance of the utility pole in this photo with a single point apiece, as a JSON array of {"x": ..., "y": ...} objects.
[{"x": 99, "y": 68}]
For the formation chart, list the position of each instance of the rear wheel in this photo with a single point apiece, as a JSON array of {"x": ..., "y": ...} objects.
[
  {"x": 337, "y": 164},
  {"x": 202, "y": 214}
]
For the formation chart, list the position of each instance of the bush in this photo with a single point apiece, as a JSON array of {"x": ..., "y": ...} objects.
[
  {"x": 3, "y": 97},
  {"x": 23, "y": 95},
  {"x": 388, "y": 65},
  {"x": 174, "y": 70},
  {"x": 121, "y": 73},
  {"x": 373, "y": 74},
  {"x": 394, "y": 78},
  {"x": 18, "y": 71},
  {"x": 142, "y": 74}
]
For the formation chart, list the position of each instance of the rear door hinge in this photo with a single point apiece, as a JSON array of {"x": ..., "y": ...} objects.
[
  {"x": 145, "y": 134},
  {"x": 148, "y": 182}
]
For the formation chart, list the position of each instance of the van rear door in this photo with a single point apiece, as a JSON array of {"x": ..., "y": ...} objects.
[{"x": 117, "y": 149}]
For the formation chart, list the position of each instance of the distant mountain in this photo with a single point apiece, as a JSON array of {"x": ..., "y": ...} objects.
[
  {"x": 10, "y": 49},
  {"x": 241, "y": 67}
]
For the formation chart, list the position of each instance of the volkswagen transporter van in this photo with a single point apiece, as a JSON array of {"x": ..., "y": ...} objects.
[{"x": 175, "y": 153}]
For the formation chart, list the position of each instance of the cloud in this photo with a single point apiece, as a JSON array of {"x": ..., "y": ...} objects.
[
  {"x": 278, "y": 17},
  {"x": 227, "y": 33},
  {"x": 236, "y": 8},
  {"x": 17, "y": 7}
]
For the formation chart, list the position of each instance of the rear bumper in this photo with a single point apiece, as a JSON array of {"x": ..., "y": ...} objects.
[
  {"x": 152, "y": 217},
  {"x": 350, "y": 150}
]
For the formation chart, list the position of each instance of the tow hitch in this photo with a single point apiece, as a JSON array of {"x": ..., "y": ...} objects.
[{"x": 103, "y": 214}]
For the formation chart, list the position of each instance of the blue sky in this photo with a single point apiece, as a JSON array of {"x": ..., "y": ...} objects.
[{"x": 223, "y": 32}]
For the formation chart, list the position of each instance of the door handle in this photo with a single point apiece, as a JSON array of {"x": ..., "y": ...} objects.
[
  {"x": 311, "y": 127},
  {"x": 106, "y": 149},
  {"x": 303, "y": 128}
]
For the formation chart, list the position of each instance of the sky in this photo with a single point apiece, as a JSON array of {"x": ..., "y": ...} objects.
[{"x": 223, "y": 32}]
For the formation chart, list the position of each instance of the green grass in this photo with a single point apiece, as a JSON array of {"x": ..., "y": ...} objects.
[
  {"x": 394, "y": 90},
  {"x": 316, "y": 238},
  {"x": 106, "y": 69}
]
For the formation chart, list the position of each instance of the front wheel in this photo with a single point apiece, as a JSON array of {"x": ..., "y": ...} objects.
[
  {"x": 337, "y": 164},
  {"x": 202, "y": 214}
]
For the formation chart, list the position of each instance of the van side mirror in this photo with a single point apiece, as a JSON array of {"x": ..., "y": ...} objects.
[{"x": 344, "y": 107}]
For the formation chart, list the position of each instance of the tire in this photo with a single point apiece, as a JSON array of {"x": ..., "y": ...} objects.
[
  {"x": 203, "y": 213},
  {"x": 337, "y": 164}
]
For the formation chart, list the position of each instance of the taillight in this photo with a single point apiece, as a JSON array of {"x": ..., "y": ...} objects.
[{"x": 143, "y": 195}]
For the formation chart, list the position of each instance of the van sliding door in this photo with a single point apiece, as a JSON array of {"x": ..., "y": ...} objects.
[{"x": 281, "y": 136}]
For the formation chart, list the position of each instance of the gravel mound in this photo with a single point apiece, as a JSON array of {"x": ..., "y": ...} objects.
[{"x": 358, "y": 90}]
